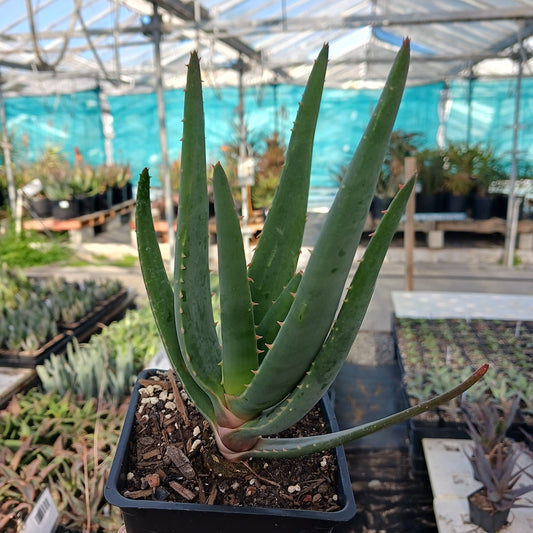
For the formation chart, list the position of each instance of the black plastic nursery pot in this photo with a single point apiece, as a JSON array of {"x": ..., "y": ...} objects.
[
  {"x": 86, "y": 204},
  {"x": 66, "y": 209},
  {"x": 170, "y": 517},
  {"x": 41, "y": 207},
  {"x": 490, "y": 521},
  {"x": 422, "y": 429},
  {"x": 379, "y": 206}
]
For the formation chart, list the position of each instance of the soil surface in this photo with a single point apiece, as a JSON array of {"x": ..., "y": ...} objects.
[{"x": 173, "y": 457}]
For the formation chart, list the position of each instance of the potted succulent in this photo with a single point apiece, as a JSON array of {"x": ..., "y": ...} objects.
[
  {"x": 430, "y": 176},
  {"x": 490, "y": 505},
  {"x": 487, "y": 423},
  {"x": 487, "y": 168},
  {"x": 282, "y": 337},
  {"x": 401, "y": 145}
]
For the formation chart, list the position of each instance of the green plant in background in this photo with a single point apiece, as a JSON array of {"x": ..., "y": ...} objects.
[
  {"x": 104, "y": 367},
  {"x": 84, "y": 181},
  {"x": 115, "y": 175},
  {"x": 90, "y": 371},
  {"x": 430, "y": 170},
  {"x": 268, "y": 153},
  {"x": 31, "y": 310},
  {"x": 13, "y": 286},
  {"x": 64, "y": 439},
  {"x": 267, "y": 172},
  {"x": 75, "y": 299},
  {"x": 281, "y": 341},
  {"x": 32, "y": 249},
  {"x": 27, "y": 328},
  {"x": 401, "y": 145},
  {"x": 48, "y": 440},
  {"x": 471, "y": 168},
  {"x": 487, "y": 422}
]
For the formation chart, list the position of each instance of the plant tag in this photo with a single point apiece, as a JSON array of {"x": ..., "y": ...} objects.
[
  {"x": 43, "y": 517},
  {"x": 32, "y": 188}
]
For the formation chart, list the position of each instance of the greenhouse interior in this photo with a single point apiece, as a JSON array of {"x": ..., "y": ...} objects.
[{"x": 266, "y": 264}]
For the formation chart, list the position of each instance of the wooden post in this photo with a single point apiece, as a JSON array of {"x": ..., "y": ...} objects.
[{"x": 409, "y": 226}]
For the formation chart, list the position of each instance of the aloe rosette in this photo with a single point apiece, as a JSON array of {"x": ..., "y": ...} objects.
[{"x": 284, "y": 335}]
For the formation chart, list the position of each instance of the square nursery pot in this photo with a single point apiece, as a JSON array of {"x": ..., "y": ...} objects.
[
  {"x": 425, "y": 429},
  {"x": 484, "y": 518},
  {"x": 66, "y": 209},
  {"x": 171, "y": 517}
]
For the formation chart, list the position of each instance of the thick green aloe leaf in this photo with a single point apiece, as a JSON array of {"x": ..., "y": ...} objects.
[
  {"x": 239, "y": 348},
  {"x": 295, "y": 447},
  {"x": 160, "y": 293},
  {"x": 313, "y": 311},
  {"x": 269, "y": 326},
  {"x": 276, "y": 256},
  {"x": 331, "y": 357},
  {"x": 192, "y": 290}
]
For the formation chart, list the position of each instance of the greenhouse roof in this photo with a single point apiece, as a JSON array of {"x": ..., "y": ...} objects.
[{"x": 49, "y": 46}]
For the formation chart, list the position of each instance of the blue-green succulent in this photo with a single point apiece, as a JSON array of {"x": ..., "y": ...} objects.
[{"x": 283, "y": 334}]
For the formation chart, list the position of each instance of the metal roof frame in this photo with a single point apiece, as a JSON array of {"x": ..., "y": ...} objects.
[{"x": 64, "y": 46}]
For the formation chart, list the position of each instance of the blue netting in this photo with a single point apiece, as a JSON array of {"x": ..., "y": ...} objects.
[
  {"x": 492, "y": 112},
  {"x": 343, "y": 117},
  {"x": 74, "y": 120},
  {"x": 62, "y": 121}
]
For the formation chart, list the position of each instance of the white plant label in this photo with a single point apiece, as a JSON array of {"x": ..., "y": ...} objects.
[{"x": 44, "y": 515}]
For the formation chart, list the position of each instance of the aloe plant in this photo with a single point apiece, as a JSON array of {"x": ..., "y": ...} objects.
[{"x": 283, "y": 336}]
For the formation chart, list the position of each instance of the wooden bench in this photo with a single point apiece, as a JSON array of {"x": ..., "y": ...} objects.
[
  {"x": 82, "y": 227},
  {"x": 435, "y": 225},
  {"x": 255, "y": 226}
]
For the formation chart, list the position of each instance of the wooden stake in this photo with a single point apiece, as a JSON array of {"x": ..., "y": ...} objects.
[{"x": 409, "y": 226}]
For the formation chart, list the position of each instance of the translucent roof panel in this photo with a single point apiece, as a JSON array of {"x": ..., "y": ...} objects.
[{"x": 63, "y": 46}]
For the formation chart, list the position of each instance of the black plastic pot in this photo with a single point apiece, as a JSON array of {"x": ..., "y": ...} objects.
[
  {"x": 169, "y": 517},
  {"x": 128, "y": 191},
  {"x": 487, "y": 520},
  {"x": 457, "y": 204},
  {"x": 65, "y": 209},
  {"x": 87, "y": 204},
  {"x": 378, "y": 206},
  {"x": 41, "y": 207},
  {"x": 120, "y": 194},
  {"x": 104, "y": 200},
  {"x": 481, "y": 207},
  {"x": 426, "y": 203}
]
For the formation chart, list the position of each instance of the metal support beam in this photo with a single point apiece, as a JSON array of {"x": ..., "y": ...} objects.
[
  {"x": 187, "y": 13},
  {"x": 6, "y": 147},
  {"x": 279, "y": 24},
  {"x": 163, "y": 139},
  {"x": 512, "y": 205}
]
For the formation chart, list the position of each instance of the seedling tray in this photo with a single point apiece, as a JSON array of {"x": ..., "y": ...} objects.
[
  {"x": 104, "y": 313},
  {"x": 100, "y": 312},
  {"x": 30, "y": 359}
]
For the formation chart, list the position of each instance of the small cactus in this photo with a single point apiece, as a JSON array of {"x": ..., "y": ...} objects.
[{"x": 283, "y": 336}]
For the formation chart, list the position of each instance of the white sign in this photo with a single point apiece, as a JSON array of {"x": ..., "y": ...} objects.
[
  {"x": 32, "y": 188},
  {"x": 44, "y": 515},
  {"x": 246, "y": 171}
]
